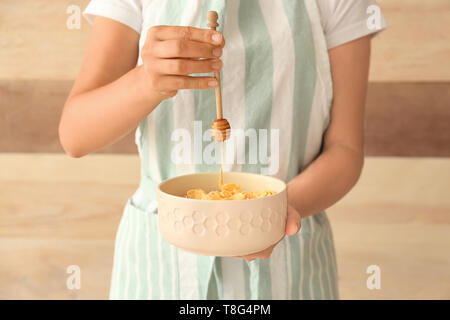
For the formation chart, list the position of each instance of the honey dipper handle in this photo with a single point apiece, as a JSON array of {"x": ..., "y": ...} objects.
[
  {"x": 212, "y": 17},
  {"x": 218, "y": 97}
]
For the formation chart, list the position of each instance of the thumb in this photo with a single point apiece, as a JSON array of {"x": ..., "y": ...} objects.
[{"x": 293, "y": 221}]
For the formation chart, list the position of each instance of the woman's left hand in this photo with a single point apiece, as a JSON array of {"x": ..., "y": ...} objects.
[{"x": 293, "y": 225}]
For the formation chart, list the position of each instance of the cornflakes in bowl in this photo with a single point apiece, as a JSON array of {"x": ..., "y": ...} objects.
[{"x": 191, "y": 218}]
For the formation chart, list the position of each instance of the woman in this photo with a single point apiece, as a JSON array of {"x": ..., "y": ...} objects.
[{"x": 297, "y": 67}]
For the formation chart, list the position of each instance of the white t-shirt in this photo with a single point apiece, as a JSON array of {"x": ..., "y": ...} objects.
[
  {"x": 347, "y": 20},
  {"x": 342, "y": 20}
]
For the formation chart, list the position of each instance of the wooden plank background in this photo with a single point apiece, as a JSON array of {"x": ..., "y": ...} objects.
[
  {"x": 402, "y": 119},
  {"x": 37, "y": 45},
  {"x": 56, "y": 211},
  {"x": 407, "y": 106},
  {"x": 59, "y": 211}
]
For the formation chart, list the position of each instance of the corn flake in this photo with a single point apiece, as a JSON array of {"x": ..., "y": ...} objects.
[{"x": 228, "y": 191}]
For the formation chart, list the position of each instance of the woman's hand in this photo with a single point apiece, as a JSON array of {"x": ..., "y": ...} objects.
[
  {"x": 171, "y": 53},
  {"x": 112, "y": 95},
  {"x": 293, "y": 225}
]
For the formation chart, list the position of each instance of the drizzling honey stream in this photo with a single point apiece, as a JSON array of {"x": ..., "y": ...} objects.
[{"x": 221, "y": 132}]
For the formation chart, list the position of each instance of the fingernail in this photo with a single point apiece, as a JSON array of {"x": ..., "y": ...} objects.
[
  {"x": 217, "y": 52},
  {"x": 215, "y": 65},
  {"x": 212, "y": 83},
  {"x": 217, "y": 37}
]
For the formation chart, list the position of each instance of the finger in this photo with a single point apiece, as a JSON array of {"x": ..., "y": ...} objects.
[
  {"x": 293, "y": 221},
  {"x": 185, "y": 49},
  {"x": 186, "y": 66},
  {"x": 264, "y": 254},
  {"x": 172, "y": 82},
  {"x": 163, "y": 33},
  {"x": 251, "y": 258}
]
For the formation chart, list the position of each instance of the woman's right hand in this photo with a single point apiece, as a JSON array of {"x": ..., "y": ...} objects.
[
  {"x": 171, "y": 53},
  {"x": 111, "y": 95}
]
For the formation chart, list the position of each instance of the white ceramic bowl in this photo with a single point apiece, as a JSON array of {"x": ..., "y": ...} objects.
[{"x": 221, "y": 227}]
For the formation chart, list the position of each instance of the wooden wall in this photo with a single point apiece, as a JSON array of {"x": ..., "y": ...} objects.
[
  {"x": 60, "y": 211},
  {"x": 56, "y": 211},
  {"x": 407, "y": 105}
]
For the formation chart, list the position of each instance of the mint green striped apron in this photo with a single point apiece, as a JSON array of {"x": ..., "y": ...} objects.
[{"x": 276, "y": 75}]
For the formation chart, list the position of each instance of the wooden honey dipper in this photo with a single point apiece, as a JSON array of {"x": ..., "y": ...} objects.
[{"x": 220, "y": 127}]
